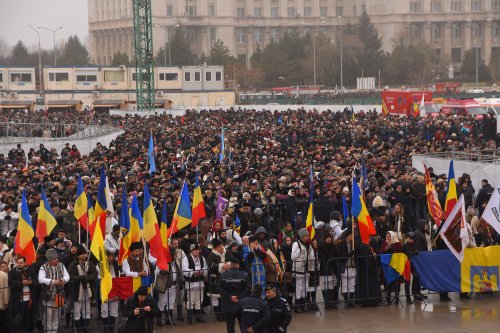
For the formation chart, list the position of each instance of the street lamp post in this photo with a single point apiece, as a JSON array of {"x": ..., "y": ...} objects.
[
  {"x": 341, "y": 55},
  {"x": 477, "y": 67},
  {"x": 54, "y": 34},
  {"x": 39, "y": 58},
  {"x": 167, "y": 35}
]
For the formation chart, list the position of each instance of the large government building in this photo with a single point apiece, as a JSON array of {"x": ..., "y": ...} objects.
[{"x": 450, "y": 26}]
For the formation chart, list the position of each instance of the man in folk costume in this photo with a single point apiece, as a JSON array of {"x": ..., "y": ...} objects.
[
  {"x": 82, "y": 274},
  {"x": 347, "y": 267},
  {"x": 52, "y": 277},
  {"x": 194, "y": 267},
  {"x": 109, "y": 309},
  {"x": 303, "y": 259},
  {"x": 112, "y": 241},
  {"x": 216, "y": 265},
  {"x": 167, "y": 284},
  {"x": 134, "y": 265}
]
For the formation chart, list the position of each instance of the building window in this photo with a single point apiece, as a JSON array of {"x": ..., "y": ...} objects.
[
  {"x": 169, "y": 76},
  {"x": 354, "y": 11},
  {"x": 144, "y": 76},
  {"x": 495, "y": 29},
  {"x": 495, "y": 5},
  {"x": 242, "y": 58},
  {"x": 86, "y": 78},
  {"x": 212, "y": 34},
  {"x": 114, "y": 76},
  {"x": 191, "y": 8},
  {"x": 307, "y": 11},
  {"x": 435, "y": 31},
  {"x": 218, "y": 76},
  {"x": 170, "y": 10},
  {"x": 257, "y": 12},
  {"x": 476, "y": 5},
  {"x": 414, "y": 7},
  {"x": 1, "y": 77},
  {"x": 58, "y": 77},
  {"x": 456, "y": 6},
  {"x": 240, "y": 12},
  {"x": 208, "y": 76},
  {"x": 187, "y": 77},
  {"x": 258, "y": 36},
  {"x": 323, "y": 11},
  {"x": 456, "y": 54},
  {"x": 476, "y": 31},
  {"x": 414, "y": 32},
  {"x": 456, "y": 30},
  {"x": 435, "y": 6},
  {"x": 339, "y": 10},
  {"x": 274, "y": 35},
  {"x": 274, "y": 11},
  {"x": 20, "y": 77},
  {"x": 211, "y": 9},
  {"x": 240, "y": 37},
  {"x": 291, "y": 11}
]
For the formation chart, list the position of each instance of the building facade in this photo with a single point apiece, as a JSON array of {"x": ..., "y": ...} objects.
[{"x": 451, "y": 27}]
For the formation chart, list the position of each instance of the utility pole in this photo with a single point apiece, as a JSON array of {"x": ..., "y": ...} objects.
[
  {"x": 341, "y": 56},
  {"x": 39, "y": 59},
  {"x": 54, "y": 33}
]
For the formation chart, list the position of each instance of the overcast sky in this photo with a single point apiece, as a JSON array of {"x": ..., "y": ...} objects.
[{"x": 15, "y": 15}]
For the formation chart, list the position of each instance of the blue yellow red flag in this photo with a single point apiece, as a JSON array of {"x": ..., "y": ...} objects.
[
  {"x": 81, "y": 205},
  {"x": 46, "y": 221},
  {"x": 451, "y": 192},
  {"x": 182, "y": 214},
  {"x": 359, "y": 211},
  {"x": 23, "y": 244},
  {"x": 198, "y": 204},
  {"x": 98, "y": 250},
  {"x": 152, "y": 231},
  {"x": 136, "y": 221},
  {"x": 394, "y": 266}
]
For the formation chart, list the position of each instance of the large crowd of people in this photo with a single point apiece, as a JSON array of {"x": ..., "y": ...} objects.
[{"x": 260, "y": 248}]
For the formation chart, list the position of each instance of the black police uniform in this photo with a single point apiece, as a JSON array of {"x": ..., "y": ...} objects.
[
  {"x": 280, "y": 315},
  {"x": 254, "y": 312},
  {"x": 233, "y": 283}
]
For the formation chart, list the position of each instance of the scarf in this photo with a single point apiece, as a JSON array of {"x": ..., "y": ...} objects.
[
  {"x": 278, "y": 263},
  {"x": 287, "y": 233}
]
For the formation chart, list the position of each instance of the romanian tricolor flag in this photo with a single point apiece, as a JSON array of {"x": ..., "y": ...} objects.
[
  {"x": 359, "y": 211},
  {"x": 90, "y": 210},
  {"x": 164, "y": 232},
  {"x": 81, "y": 205},
  {"x": 198, "y": 204},
  {"x": 385, "y": 111},
  {"x": 435, "y": 209},
  {"x": 46, "y": 222},
  {"x": 125, "y": 236},
  {"x": 451, "y": 194},
  {"x": 124, "y": 287},
  {"x": 152, "y": 231},
  {"x": 394, "y": 266},
  {"x": 23, "y": 244},
  {"x": 182, "y": 214},
  {"x": 101, "y": 205},
  {"x": 136, "y": 221},
  {"x": 310, "y": 211},
  {"x": 99, "y": 252}
]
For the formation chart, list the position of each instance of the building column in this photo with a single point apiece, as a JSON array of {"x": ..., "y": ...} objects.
[
  {"x": 427, "y": 33},
  {"x": 487, "y": 41},
  {"x": 467, "y": 36},
  {"x": 446, "y": 43}
]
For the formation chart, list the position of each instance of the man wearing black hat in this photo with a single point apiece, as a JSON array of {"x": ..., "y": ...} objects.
[
  {"x": 134, "y": 265},
  {"x": 234, "y": 285},
  {"x": 280, "y": 311},
  {"x": 194, "y": 267},
  {"x": 140, "y": 310},
  {"x": 111, "y": 242},
  {"x": 186, "y": 242},
  {"x": 82, "y": 274},
  {"x": 253, "y": 312},
  {"x": 216, "y": 264}
]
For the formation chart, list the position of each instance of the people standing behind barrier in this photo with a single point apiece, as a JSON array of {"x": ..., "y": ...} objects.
[
  {"x": 233, "y": 286},
  {"x": 5, "y": 251},
  {"x": 328, "y": 270},
  {"x": 8, "y": 220},
  {"x": 4, "y": 297},
  {"x": 411, "y": 249},
  {"x": 347, "y": 267},
  {"x": 216, "y": 265},
  {"x": 275, "y": 264},
  {"x": 391, "y": 245},
  {"x": 21, "y": 297},
  {"x": 313, "y": 283},
  {"x": 255, "y": 261},
  {"x": 302, "y": 256},
  {"x": 52, "y": 278},
  {"x": 194, "y": 268},
  {"x": 112, "y": 241},
  {"x": 233, "y": 251},
  {"x": 177, "y": 257},
  {"x": 280, "y": 316},
  {"x": 254, "y": 312},
  {"x": 109, "y": 309},
  {"x": 287, "y": 231},
  {"x": 398, "y": 222},
  {"x": 82, "y": 275},
  {"x": 135, "y": 265},
  {"x": 140, "y": 310}
]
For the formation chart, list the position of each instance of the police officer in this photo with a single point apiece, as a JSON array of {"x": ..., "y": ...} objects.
[
  {"x": 254, "y": 312},
  {"x": 280, "y": 311},
  {"x": 233, "y": 286}
]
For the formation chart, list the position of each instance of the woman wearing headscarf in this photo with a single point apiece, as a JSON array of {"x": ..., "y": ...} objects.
[
  {"x": 275, "y": 264},
  {"x": 287, "y": 231},
  {"x": 392, "y": 245},
  {"x": 398, "y": 223}
]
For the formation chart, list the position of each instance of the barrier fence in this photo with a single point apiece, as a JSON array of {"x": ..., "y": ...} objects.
[{"x": 337, "y": 283}]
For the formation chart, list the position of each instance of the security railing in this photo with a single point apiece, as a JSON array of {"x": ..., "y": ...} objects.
[
  {"x": 11, "y": 132},
  {"x": 479, "y": 155}
]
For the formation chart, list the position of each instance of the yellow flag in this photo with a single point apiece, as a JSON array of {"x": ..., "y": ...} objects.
[{"x": 98, "y": 250}]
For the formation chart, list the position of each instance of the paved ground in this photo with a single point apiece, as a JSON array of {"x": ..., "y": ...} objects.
[{"x": 478, "y": 314}]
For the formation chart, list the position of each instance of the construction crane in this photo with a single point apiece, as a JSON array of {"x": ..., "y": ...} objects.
[{"x": 144, "y": 61}]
